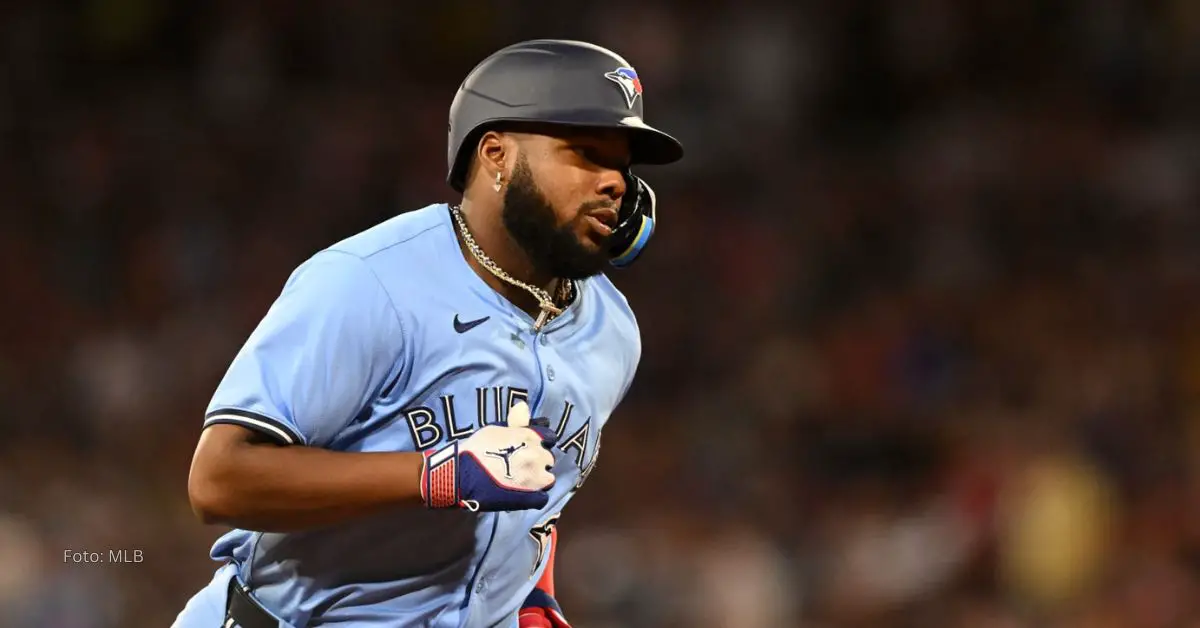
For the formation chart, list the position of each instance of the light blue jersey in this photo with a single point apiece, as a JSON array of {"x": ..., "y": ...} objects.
[{"x": 389, "y": 341}]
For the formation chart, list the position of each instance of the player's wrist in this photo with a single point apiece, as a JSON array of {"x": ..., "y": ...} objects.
[{"x": 401, "y": 475}]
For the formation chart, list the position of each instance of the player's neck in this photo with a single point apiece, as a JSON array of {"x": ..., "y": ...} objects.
[{"x": 490, "y": 234}]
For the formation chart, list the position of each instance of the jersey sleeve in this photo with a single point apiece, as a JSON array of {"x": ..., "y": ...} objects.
[
  {"x": 324, "y": 349},
  {"x": 634, "y": 360}
]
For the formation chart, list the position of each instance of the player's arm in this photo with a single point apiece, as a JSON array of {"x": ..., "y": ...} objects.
[
  {"x": 241, "y": 478},
  {"x": 328, "y": 346}
]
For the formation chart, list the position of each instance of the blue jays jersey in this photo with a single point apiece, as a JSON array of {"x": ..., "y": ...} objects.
[{"x": 389, "y": 341}]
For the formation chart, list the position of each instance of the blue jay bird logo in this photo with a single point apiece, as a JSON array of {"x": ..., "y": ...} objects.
[
  {"x": 505, "y": 455},
  {"x": 540, "y": 534},
  {"x": 627, "y": 79}
]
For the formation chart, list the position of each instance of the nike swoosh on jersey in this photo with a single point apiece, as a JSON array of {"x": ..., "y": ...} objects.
[{"x": 463, "y": 328}]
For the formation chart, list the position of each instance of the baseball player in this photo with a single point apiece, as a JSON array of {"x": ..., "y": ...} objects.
[{"x": 374, "y": 442}]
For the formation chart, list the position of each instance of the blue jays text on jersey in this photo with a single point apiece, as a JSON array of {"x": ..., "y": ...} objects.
[{"x": 389, "y": 341}]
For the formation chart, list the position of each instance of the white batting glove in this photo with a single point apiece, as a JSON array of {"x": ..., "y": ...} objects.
[{"x": 499, "y": 467}]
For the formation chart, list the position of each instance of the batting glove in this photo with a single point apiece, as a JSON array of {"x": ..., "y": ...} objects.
[
  {"x": 499, "y": 467},
  {"x": 541, "y": 610}
]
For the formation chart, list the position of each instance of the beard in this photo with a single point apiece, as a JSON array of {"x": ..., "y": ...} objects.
[{"x": 552, "y": 248}]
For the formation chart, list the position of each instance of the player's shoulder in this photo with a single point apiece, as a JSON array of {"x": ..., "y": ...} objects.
[
  {"x": 617, "y": 309},
  {"x": 411, "y": 234},
  {"x": 392, "y": 255}
]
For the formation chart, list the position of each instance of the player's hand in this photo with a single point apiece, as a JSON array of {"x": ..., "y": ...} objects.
[{"x": 500, "y": 467}]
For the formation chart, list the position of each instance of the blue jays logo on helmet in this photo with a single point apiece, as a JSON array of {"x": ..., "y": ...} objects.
[{"x": 627, "y": 79}]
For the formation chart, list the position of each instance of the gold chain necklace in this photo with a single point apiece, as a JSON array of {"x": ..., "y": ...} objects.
[{"x": 545, "y": 302}]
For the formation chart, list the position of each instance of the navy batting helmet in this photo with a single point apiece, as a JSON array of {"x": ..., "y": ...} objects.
[{"x": 570, "y": 83}]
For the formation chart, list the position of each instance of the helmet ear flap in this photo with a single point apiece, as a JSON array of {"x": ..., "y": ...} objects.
[{"x": 636, "y": 221}]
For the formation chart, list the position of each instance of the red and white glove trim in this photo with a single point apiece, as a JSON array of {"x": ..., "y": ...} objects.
[{"x": 439, "y": 478}]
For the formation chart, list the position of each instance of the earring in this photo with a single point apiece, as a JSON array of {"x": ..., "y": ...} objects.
[{"x": 497, "y": 184}]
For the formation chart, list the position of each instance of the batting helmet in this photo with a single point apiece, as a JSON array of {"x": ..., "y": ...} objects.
[{"x": 570, "y": 83}]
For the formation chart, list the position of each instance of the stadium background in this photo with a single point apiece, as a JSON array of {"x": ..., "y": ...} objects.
[{"x": 922, "y": 329}]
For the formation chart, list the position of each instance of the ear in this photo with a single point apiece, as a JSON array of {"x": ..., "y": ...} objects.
[{"x": 494, "y": 154}]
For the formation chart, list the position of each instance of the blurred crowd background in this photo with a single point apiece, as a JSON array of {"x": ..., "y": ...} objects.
[{"x": 921, "y": 325}]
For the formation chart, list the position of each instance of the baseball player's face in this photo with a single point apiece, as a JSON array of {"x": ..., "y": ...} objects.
[{"x": 562, "y": 199}]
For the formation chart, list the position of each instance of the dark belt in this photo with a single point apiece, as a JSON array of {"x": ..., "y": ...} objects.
[{"x": 244, "y": 610}]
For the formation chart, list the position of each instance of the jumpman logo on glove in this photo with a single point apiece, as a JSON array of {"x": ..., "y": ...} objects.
[{"x": 505, "y": 454}]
